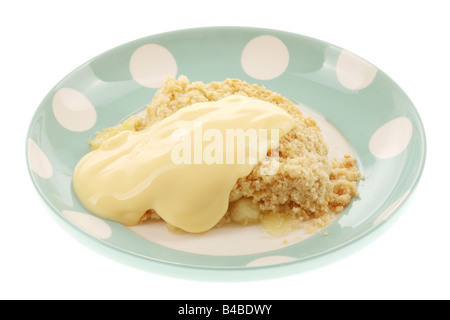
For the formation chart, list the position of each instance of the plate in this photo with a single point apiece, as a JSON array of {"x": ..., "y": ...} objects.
[{"x": 359, "y": 108}]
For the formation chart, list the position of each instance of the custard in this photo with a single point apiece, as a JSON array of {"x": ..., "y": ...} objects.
[{"x": 168, "y": 167}]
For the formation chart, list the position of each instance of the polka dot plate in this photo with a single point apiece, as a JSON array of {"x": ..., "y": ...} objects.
[{"x": 359, "y": 108}]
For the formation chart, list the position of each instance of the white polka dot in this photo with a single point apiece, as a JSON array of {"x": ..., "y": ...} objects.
[
  {"x": 38, "y": 161},
  {"x": 391, "y": 139},
  {"x": 265, "y": 57},
  {"x": 265, "y": 261},
  {"x": 73, "y": 110},
  {"x": 88, "y": 223},
  {"x": 389, "y": 210},
  {"x": 353, "y": 72},
  {"x": 151, "y": 64}
]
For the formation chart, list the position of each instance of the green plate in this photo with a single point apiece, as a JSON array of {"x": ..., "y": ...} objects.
[{"x": 360, "y": 109}]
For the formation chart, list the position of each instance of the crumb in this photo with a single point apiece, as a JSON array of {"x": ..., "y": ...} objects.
[
  {"x": 308, "y": 186},
  {"x": 310, "y": 229},
  {"x": 325, "y": 233}
]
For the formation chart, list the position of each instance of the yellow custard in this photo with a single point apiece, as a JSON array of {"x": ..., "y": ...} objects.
[{"x": 184, "y": 166}]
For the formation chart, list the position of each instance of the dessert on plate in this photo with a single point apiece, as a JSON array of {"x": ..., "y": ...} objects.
[{"x": 172, "y": 162}]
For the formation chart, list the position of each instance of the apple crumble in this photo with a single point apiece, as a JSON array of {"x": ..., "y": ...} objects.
[{"x": 308, "y": 186}]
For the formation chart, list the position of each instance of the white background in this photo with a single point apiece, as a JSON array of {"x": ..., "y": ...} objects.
[{"x": 42, "y": 41}]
